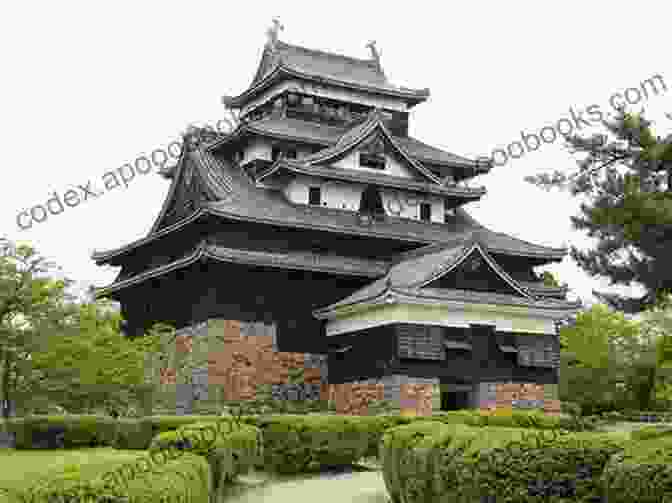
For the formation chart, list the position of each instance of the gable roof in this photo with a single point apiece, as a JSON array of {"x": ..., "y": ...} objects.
[
  {"x": 348, "y": 142},
  {"x": 286, "y": 60},
  {"x": 356, "y": 135},
  {"x": 407, "y": 281}
]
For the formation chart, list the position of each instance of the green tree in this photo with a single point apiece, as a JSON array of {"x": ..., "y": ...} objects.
[
  {"x": 90, "y": 365},
  {"x": 32, "y": 307},
  {"x": 625, "y": 176},
  {"x": 593, "y": 365}
]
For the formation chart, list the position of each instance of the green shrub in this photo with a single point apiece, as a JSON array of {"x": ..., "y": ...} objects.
[
  {"x": 651, "y": 432},
  {"x": 133, "y": 434},
  {"x": 299, "y": 444},
  {"x": 185, "y": 480},
  {"x": 430, "y": 461},
  {"x": 230, "y": 449},
  {"x": 162, "y": 423},
  {"x": 78, "y": 430},
  {"x": 641, "y": 473}
]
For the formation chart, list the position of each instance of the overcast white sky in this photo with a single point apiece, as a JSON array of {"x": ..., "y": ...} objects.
[{"x": 89, "y": 86}]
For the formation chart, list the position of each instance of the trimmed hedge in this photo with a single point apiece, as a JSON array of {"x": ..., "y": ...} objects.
[
  {"x": 430, "y": 461},
  {"x": 186, "y": 479},
  {"x": 514, "y": 419},
  {"x": 652, "y": 432},
  {"x": 301, "y": 444},
  {"x": 229, "y": 448},
  {"x": 642, "y": 473},
  {"x": 69, "y": 432}
]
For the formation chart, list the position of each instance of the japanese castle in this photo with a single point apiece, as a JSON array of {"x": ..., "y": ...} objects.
[{"x": 319, "y": 233}]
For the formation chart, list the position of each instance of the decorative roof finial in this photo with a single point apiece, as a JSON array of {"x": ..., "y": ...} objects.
[
  {"x": 375, "y": 55},
  {"x": 273, "y": 32}
]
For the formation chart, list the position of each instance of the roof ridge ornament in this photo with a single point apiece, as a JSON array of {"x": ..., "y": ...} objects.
[
  {"x": 375, "y": 54},
  {"x": 272, "y": 33}
]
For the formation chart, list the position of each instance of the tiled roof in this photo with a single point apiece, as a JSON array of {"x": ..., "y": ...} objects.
[
  {"x": 310, "y": 64},
  {"x": 332, "y": 65},
  {"x": 378, "y": 292},
  {"x": 244, "y": 201},
  {"x": 284, "y": 260},
  {"x": 313, "y": 132},
  {"x": 381, "y": 179},
  {"x": 542, "y": 290},
  {"x": 423, "y": 268}
]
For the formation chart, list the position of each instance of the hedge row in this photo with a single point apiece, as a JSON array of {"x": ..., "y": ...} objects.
[
  {"x": 230, "y": 449},
  {"x": 186, "y": 479},
  {"x": 204, "y": 455},
  {"x": 642, "y": 472},
  {"x": 74, "y": 431},
  {"x": 430, "y": 461}
]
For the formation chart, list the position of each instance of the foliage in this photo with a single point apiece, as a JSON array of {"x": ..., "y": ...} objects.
[
  {"x": 609, "y": 362},
  {"x": 32, "y": 307},
  {"x": 626, "y": 178}
]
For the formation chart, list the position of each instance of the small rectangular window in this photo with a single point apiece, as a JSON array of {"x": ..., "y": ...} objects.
[
  {"x": 374, "y": 161},
  {"x": 315, "y": 196},
  {"x": 275, "y": 153},
  {"x": 425, "y": 212},
  {"x": 291, "y": 153}
]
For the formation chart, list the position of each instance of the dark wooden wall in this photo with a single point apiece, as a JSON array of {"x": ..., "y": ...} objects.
[{"x": 485, "y": 362}]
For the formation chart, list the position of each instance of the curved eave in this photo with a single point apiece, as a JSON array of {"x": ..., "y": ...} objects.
[
  {"x": 281, "y": 70},
  {"x": 103, "y": 257},
  {"x": 456, "y": 299},
  {"x": 339, "y": 174},
  {"x": 367, "y": 129},
  {"x": 309, "y": 262}
]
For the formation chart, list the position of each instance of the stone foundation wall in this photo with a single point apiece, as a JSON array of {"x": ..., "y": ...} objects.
[
  {"x": 490, "y": 396},
  {"x": 239, "y": 357},
  {"x": 407, "y": 395}
]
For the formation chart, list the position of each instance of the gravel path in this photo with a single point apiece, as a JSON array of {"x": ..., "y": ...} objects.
[{"x": 344, "y": 487}]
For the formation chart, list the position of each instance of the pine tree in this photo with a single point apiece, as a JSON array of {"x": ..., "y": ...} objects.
[{"x": 626, "y": 177}]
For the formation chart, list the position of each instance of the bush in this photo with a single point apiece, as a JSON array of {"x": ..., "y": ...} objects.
[
  {"x": 230, "y": 449},
  {"x": 651, "y": 432},
  {"x": 69, "y": 432},
  {"x": 185, "y": 480},
  {"x": 427, "y": 461},
  {"x": 299, "y": 444},
  {"x": 642, "y": 473},
  {"x": 133, "y": 434}
]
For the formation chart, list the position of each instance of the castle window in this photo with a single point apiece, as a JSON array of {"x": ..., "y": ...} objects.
[
  {"x": 374, "y": 161},
  {"x": 371, "y": 202},
  {"x": 425, "y": 212},
  {"x": 275, "y": 153},
  {"x": 315, "y": 196},
  {"x": 291, "y": 153}
]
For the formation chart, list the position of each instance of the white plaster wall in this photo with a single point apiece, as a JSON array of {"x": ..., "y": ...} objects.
[
  {"x": 335, "y": 194},
  {"x": 504, "y": 321},
  {"x": 326, "y": 92},
  {"x": 343, "y": 195}
]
